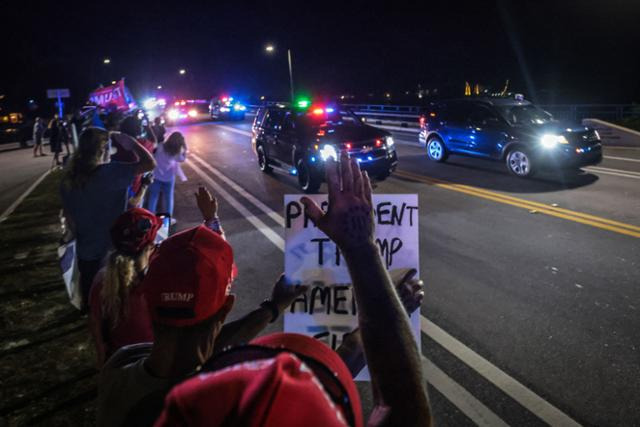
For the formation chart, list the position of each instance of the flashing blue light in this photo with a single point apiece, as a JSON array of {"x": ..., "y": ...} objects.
[
  {"x": 313, "y": 159},
  {"x": 293, "y": 171},
  {"x": 329, "y": 110}
]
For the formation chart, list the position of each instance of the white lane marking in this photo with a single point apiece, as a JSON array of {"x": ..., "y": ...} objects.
[
  {"x": 514, "y": 389},
  {"x": 475, "y": 410},
  {"x": 23, "y": 196},
  {"x": 625, "y": 159},
  {"x": 469, "y": 405},
  {"x": 254, "y": 220},
  {"x": 614, "y": 172},
  {"x": 279, "y": 219}
]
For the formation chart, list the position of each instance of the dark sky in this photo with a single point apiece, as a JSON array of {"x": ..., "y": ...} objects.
[{"x": 562, "y": 51}]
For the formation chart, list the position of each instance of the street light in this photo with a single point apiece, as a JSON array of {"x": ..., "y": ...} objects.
[
  {"x": 159, "y": 87},
  {"x": 113, "y": 82},
  {"x": 182, "y": 71},
  {"x": 106, "y": 61},
  {"x": 270, "y": 49}
]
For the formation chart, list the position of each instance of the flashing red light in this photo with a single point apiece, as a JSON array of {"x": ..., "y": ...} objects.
[
  {"x": 378, "y": 143},
  {"x": 321, "y": 132},
  {"x": 348, "y": 145},
  {"x": 318, "y": 111},
  {"x": 225, "y": 99}
]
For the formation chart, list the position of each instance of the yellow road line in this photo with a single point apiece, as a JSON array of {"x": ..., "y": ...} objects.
[{"x": 592, "y": 220}]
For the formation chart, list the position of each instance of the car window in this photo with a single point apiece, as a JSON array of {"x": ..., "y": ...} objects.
[
  {"x": 274, "y": 119},
  {"x": 288, "y": 122},
  {"x": 481, "y": 114},
  {"x": 456, "y": 113}
]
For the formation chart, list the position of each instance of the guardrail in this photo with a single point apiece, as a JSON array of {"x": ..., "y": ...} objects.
[{"x": 571, "y": 112}]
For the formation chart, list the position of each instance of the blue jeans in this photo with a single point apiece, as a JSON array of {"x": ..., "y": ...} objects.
[{"x": 166, "y": 188}]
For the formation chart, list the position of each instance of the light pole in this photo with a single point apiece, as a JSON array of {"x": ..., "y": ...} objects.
[{"x": 270, "y": 49}]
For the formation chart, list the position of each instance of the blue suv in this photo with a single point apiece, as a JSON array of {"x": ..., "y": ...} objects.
[{"x": 515, "y": 131}]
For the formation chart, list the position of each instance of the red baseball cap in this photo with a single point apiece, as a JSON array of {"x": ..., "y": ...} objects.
[
  {"x": 189, "y": 277},
  {"x": 134, "y": 230},
  {"x": 253, "y": 387},
  {"x": 280, "y": 391}
]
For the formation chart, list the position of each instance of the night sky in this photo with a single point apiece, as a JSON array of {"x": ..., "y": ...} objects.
[{"x": 580, "y": 51}]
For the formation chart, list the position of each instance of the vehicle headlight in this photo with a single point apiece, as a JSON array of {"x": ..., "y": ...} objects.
[
  {"x": 390, "y": 142},
  {"x": 328, "y": 151},
  {"x": 173, "y": 114},
  {"x": 224, "y": 109},
  {"x": 550, "y": 141},
  {"x": 192, "y": 113},
  {"x": 239, "y": 107}
]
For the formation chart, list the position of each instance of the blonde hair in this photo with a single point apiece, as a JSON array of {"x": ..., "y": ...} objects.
[
  {"x": 121, "y": 276},
  {"x": 86, "y": 158}
]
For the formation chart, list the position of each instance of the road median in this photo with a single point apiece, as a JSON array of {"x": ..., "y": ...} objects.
[{"x": 47, "y": 361}]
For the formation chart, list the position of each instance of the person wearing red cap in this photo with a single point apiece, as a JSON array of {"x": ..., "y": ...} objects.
[
  {"x": 187, "y": 289},
  {"x": 281, "y": 379},
  {"x": 119, "y": 314}
]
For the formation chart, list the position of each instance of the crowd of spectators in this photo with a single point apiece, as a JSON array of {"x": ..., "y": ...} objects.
[{"x": 158, "y": 312}]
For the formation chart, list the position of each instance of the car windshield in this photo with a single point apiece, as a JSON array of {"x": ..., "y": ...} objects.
[{"x": 524, "y": 114}]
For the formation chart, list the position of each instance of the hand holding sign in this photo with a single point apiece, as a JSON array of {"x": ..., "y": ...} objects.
[
  {"x": 349, "y": 219},
  {"x": 284, "y": 293}
]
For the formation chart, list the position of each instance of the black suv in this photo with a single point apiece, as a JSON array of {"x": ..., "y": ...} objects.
[
  {"x": 515, "y": 131},
  {"x": 299, "y": 142}
]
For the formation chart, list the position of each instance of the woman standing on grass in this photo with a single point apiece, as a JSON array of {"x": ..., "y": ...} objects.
[
  {"x": 168, "y": 157},
  {"x": 94, "y": 194},
  {"x": 119, "y": 314}
]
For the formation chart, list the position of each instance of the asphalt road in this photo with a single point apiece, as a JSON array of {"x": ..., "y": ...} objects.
[
  {"x": 532, "y": 297},
  {"x": 532, "y": 287}
]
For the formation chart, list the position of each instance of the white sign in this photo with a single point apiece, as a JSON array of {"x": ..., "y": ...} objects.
[
  {"x": 328, "y": 310},
  {"x": 58, "y": 93}
]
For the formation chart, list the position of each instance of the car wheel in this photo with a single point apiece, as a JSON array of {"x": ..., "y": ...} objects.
[
  {"x": 436, "y": 150},
  {"x": 383, "y": 176},
  {"x": 263, "y": 161},
  {"x": 519, "y": 163},
  {"x": 308, "y": 180}
]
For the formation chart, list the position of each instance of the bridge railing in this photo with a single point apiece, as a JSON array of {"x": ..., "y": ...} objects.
[{"x": 571, "y": 112}]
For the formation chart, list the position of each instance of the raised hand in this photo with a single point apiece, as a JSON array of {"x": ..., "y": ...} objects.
[
  {"x": 349, "y": 218},
  {"x": 207, "y": 204}
]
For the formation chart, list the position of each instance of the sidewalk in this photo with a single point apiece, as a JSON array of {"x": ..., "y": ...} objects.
[{"x": 47, "y": 364}]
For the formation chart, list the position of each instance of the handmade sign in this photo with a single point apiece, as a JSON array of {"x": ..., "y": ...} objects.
[{"x": 328, "y": 309}]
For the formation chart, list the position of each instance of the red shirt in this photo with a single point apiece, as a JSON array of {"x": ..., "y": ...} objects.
[{"x": 135, "y": 327}]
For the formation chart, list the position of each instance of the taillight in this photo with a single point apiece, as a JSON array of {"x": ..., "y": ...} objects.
[
  {"x": 422, "y": 120},
  {"x": 378, "y": 143}
]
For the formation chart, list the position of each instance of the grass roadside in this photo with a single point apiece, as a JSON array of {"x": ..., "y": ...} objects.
[{"x": 47, "y": 364}]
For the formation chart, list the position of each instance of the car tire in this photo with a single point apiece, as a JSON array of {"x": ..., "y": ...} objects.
[
  {"x": 263, "y": 160},
  {"x": 436, "y": 151},
  {"x": 519, "y": 163},
  {"x": 308, "y": 180},
  {"x": 383, "y": 176}
]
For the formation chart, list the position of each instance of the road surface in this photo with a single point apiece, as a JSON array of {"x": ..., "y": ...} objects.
[{"x": 532, "y": 286}]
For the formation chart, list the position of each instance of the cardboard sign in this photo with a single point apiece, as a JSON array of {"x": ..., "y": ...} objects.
[
  {"x": 114, "y": 96},
  {"x": 328, "y": 310}
]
